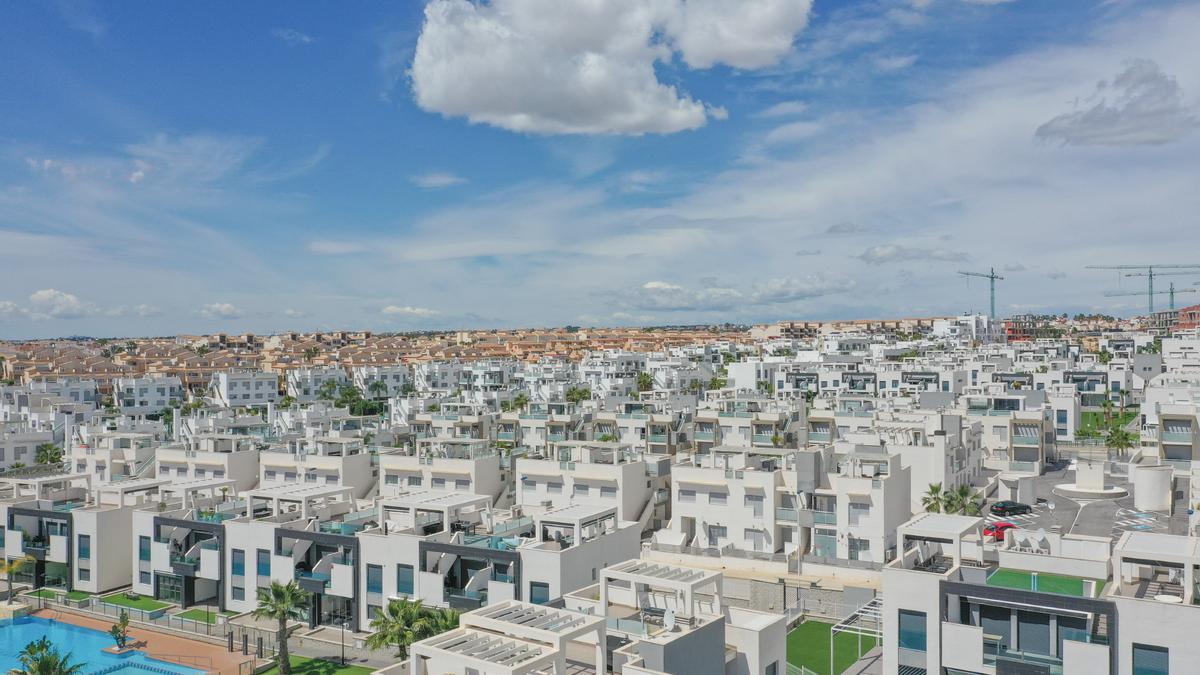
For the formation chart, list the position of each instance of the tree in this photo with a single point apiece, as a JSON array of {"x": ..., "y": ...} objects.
[
  {"x": 1104, "y": 357},
  {"x": 47, "y": 453},
  {"x": 283, "y": 603},
  {"x": 1107, "y": 406},
  {"x": 934, "y": 500},
  {"x": 1121, "y": 439},
  {"x": 403, "y": 622},
  {"x": 1124, "y": 394},
  {"x": 287, "y": 401},
  {"x": 578, "y": 394},
  {"x": 645, "y": 382},
  {"x": 328, "y": 390},
  {"x": 606, "y": 438},
  {"x": 120, "y": 630},
  {"x": 963, "y": 501},
  {"x": 12, "y": 567},
  {"x": 40, "y": 657},
  {"x": 520, "y": 401},
  {"x": 311, "y": 353},
  {"x": 776, "y": 440},
  {"x": 408, "y": 389},
  {"x": 378, "y": 388}
]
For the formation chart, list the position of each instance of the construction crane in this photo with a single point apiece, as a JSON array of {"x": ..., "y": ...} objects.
[
  {"x": 1150, "y": 272},
  {"x": 991, "y": 276},
  {"x": 1171, "y": 292}
]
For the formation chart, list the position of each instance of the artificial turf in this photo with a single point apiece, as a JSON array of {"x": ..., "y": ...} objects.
[
  {"x": 808, "y": 646},
  {"x": 306, "y": 666},
  {"x": 1046, "y": 583},
  {"x": 143, "y": 603}
]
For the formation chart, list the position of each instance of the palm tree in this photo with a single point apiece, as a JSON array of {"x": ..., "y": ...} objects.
[
  {"x": 378, "y": 388},
  {"x": 1107, "y": 405},
  {"x": 47, "y": 453},
  {"x": 42, "y": 658},
  {"x": 962, "y": 501},
  {"x": 934, "y": 500},
  {"x": 1124, "y": 393},
  {"x": 11, "y": 567},
  {"x": 328, "y": 390},
  {"x": 399, "y": 624},
  {"x": 1121, "y": 439},
  {"x": 282, "y": 602},
  {"x": 645, "y": 382},
  {"x": 520, "y": 401}
]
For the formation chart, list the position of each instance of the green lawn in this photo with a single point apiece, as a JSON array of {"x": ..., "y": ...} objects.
[
  {"x": 143, "y": 603},
  {"x": 48, "y": 593},
  {"x": 200, "y": 614},
  {"x": 1094, "y": 421},
  {"x": 305, "y": 666},
  {"x": 78, "y": 595},
  {"x": 1047, "y": 583},
  {"x": 808, "y": 646}
]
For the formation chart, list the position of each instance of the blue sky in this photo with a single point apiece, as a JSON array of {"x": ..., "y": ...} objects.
[{"x": 233, "y": 166}]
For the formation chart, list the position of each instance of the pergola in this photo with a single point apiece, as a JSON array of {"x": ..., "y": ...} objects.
[
  {"x": 306, "y": 496},
  {"x": 467, "y": 649},
  {"x": 866, "y": 620},
  {"x": 684, "y": 581},
  {"x": 538, "y": 623},
  {"x": 447, "y": 506}
]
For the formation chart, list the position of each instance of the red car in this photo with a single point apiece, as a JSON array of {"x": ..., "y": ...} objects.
[{"x": 997, "y": 530}]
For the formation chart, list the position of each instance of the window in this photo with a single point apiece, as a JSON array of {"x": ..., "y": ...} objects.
[
  {"x": 404, "y": 579},
  {"x": 85, "y": 574},
  {"x": 143, "y": 548},
  {"x": 554, "y": 488},
  {"x": 716, "y": 533},
  {"x": 608, "y": 492},
  {"x": 239, "y": 593},
  {"x": 528, "y": 484},
  {"x": 375, "y": 578},
  {"x": 85, "y": 547},
  {"x": 580, "y": 490},
  {"x": 264, "y": 563},
  {"x": 439, "y": 483},
  {"x": 912, "y": 630},
  {"x": 687, "y": 496},
  {"x": 391, "y": 479},
  {"x": 414, "y": 480},
  {"x": 462, "y": 484},
  {"x": 539, "y": 592},
  {"x": 144, "y": 577},
  {"x": 772, "y": 668},
  {"x": 755, "y": 503},
  {"x": 1149, "y": 660},
  {"x": 718, "y": 498},
  {"x": 238, "y": 562}
]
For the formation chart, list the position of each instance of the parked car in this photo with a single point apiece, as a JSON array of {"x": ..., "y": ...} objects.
[
  {"x": 1008, "y": 508},
  {"x": 998, "y": 530}
]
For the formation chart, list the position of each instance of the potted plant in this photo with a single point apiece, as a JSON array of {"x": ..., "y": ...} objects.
[{"x": 120, "y": 632}]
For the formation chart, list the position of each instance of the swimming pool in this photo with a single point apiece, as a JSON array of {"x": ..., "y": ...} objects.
[{"x": 83, "y": 644}]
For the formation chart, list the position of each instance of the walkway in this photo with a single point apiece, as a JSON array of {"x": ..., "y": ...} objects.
[{"x": 190, "y": 653}]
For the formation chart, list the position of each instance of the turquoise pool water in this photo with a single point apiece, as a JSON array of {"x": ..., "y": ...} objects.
[{"x": 84, "y": 645}]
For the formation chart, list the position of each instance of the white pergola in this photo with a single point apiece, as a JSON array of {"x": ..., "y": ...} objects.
[
  {"x": 467, "y": 648},
  {"x": 866, "y": 620},
  {"x": 37, "y": 485},
  {"x": 685, "y": 581},
  {"x": 304, "y": 495},
  {"x": 538, "y": 623},
  {"x": 449, "y": 506},
  {"x": 939, "y": 528}
]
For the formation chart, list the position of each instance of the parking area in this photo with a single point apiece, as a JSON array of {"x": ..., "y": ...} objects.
[{"x": 1099, "y": 517}]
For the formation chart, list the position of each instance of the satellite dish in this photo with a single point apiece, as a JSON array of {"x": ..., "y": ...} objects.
[{"x": 669, "y": 620}]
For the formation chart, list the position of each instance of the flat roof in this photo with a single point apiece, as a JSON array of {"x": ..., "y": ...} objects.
[
  {"x": 526, "y": 620},
  {"x": 941, "y": 524},
  {"x": 578, "y": 512},
  {"x": 434, "y": 499},
  {"x": 488, "y": 648},
  {"x": 643, "y": 571},
  {"x": 1157, "y": 544},
  {"x": 298, "y": 491}
]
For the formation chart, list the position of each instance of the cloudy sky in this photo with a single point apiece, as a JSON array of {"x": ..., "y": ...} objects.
[{"x": 170, "y": 167}]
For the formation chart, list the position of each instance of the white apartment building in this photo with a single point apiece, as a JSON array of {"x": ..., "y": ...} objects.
[
  {"x": 647, "y": 426},
  {"x": 211, "y": 456},
  {"x": 611, "y": 373},
  {"x": 444, "y": 465},
  {"x": 729, "y": 417},
  {"x": 589, "y": 472},
  {"x": 381, "y": 381},
  {"x": 147, "y": 395},
  {"x": 318, "y": 460},
  {"x": 305, "y": 384},
  {"x": 542, "y": 423},
  {"x": 19, "y": 442},
  {"x": 114, "y": 455},
  {"x": 436, "y": 376},
  {"x": 244, "y": 388}
]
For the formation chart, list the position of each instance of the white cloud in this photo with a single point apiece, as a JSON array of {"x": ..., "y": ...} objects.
[
  {"x": 793, "y": 132},
  {"x": 791, "y": 289},
  {"x": 784, "y": 109},
  {"x": 845, "y": 227},
  {"x": 220, "y": 310},
  {"x": 662, "y": 296},
  {"x": 407, "y": 311},
  {"x": 804, "y": 252},
  {"x": 1142, "y": 105},
  {"x": 146, "y": 311},
  {"x": 54, "y": 304},
  {"x": 437, "y": 179},
  {"x": 330, "y": 247},
  {"x": 292, "y": 36},
  {"x": 888, "y": 253},
  {"x": 580, "y": 67},
  {"x": 295, "y": 313},
  {"x": 889, "y": 64},
  {"x": 10, "y": 310}
]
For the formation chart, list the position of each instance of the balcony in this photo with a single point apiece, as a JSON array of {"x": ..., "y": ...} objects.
[
  {"x": 555, "y": 438},
  {"x": 1177, "y": 437},
  {"x": 824, "y": 517},
  {"x": 313, "y": 582},
  {"x": 764, "y": 438},
  {"x": 705, "y": 436},
  {"x": 1026, "y": 441},
  {"x": 819, "y": 436},
  {"x": 787, "y": 515},
  {"x": 506, "y": 435},
  {"x": 657, "y": 438}
]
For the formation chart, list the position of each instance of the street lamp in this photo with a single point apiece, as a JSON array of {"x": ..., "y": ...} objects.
[{"x": 345, "y": 624}]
